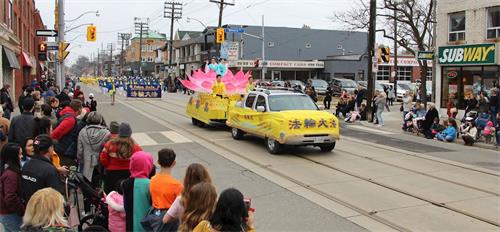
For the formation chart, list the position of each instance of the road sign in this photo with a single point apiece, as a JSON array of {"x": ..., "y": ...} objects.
[
  {"x": 425, "y": 55},
  {"x": 46, "y": 33},
  {"x": 384, "y": 54},
  {"x": 52, "y": 48},
  {"x": 235, "y": 30}
]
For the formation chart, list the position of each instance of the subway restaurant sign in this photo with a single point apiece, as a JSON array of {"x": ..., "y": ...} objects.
[{"x": 467, "y": 54}]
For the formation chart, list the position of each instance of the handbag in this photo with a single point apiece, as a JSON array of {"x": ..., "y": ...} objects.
[
  {"x": 153, "y": 219},
  {"x": 73, "y": 217}
]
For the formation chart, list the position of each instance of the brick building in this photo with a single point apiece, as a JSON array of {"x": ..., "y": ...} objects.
[
  {"x": 151, "y": 42},
  {"x": 468, "y": 38},
  {"x": 19, "y": 19}
]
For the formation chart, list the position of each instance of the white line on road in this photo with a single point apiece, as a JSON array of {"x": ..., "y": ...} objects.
[
  {"x": 175, "y": 137},
  {"x": 143, "y": 139},
  {"x": 378, "y": 131}
]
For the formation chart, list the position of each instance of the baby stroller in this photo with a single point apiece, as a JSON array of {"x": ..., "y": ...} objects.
[{"x": 98, "y": 213}]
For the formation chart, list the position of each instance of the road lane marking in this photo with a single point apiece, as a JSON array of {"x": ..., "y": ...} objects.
[
  {"x": 143, "y": 139},
  {"x": 175, "y": 137},
  {"x": 378, "y": 131}
]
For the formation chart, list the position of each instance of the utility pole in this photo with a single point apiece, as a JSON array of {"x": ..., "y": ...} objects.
[
  {"x": 98, "y": 62},
  {"x": 61, "y": 77},
  {"x": 123, "y": 37},
  {"x": 110, "y": 62},
  {"x": 395, "y": 53},
  {"x": 371, "y": 45},
  {"x": 141, "y": 25},
  {"x": 221, "y": 4},
  {"x": 264, "y": 62},
  {"x": 172, "y": 11},
  {"x": 433, "y": 97}
]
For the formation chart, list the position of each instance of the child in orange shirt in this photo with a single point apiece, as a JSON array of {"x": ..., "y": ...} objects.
[{"x": 163, "y": 187}]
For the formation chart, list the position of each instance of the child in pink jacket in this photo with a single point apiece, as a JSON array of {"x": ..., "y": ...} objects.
[{"x": 116, "y": 219}]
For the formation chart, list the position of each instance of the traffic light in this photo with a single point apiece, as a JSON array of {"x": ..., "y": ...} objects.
[
  {"x": 384, "y": 54},
  {"x": 42, "y": 51},
  {"x": 220, "y": 35},
  {"x": 62, "y": 51},
  {"x": 91, "y": 33}
]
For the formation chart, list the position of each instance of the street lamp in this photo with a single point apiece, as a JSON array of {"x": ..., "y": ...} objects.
[
  {"x": 84, "y": 13},
  {"x": 188, "y": 19}
]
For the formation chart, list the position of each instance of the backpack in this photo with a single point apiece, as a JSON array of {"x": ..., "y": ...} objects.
[
  {"x": 67, "y": 146},
  {"x": 3, "y": 136}
]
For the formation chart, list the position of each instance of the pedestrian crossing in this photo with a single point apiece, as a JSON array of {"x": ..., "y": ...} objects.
[{"x": 159, "y": 138}]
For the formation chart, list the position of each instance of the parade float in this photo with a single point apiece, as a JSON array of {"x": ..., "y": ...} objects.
[{"x": 207, "y": 107}]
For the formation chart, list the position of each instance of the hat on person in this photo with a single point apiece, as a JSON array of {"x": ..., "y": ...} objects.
[
  {"x": 70, "y": 95},
  {"x": 114, "y": 127},
  {"x": 28, "y": 103},
  {"x": 124, "y": 130},
  {"x": 91, "y": 95},
  {"x": 42, "y": 143}
]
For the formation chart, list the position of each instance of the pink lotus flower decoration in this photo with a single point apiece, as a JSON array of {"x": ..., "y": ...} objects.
[{"x": 202, "y": 82}]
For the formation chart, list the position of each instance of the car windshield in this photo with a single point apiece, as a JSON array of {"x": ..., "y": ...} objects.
[
  {"x": 348, "y": 84},
  {"x": 404, "y": 86},
  {"x": 291, "y": 102},
  {"x": 319, "y": 83}
]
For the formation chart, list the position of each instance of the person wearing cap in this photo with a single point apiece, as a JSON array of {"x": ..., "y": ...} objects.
[
  {"x": 115, "y": 157},
  {"x": 114, "y": 127},
  {"x": 39, "y": 172},
  {"x": 66, "y": 133},
  {"x": 21, "y": 126},
  {"x": 93, "y": 103}
]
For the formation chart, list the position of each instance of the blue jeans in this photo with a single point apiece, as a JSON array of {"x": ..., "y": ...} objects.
[
  {"x": 379, "y": 116},
  {"x": 11, "y": 222},
  {"x": 442, "y": 137},
  {"x": 493, "y": 113}
]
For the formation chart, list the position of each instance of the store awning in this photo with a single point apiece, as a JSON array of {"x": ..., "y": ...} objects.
[
  {"x": 26, "y": 60},
  {"x": 11, "y": 58}
]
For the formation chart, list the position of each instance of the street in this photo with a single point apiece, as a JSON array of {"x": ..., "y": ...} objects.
[{"x": 373, "y": 180}]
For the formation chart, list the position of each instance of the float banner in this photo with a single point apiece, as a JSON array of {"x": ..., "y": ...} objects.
[
  {"x": 143, "y": 91},
  {"x": 468, "y": 54}
]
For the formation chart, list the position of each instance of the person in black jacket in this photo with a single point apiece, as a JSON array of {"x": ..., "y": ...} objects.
[
  {"x": 63, "y": 96},
  {"x": 6, "y": 102},
  {"x": 39, "y": 172},
  {"x": 431, "y": 114},
  {"x": 21, "y": 126},
  {"x": 328, "y": 98}
]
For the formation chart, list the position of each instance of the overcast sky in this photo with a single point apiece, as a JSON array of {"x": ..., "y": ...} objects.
[{"x": 118, "y": 16}]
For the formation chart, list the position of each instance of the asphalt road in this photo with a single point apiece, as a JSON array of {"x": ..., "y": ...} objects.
[{"x": 373, "y": 180}]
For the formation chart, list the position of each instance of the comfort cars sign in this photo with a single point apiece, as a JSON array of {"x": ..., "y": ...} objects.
[{"x": 468, "y": 54}]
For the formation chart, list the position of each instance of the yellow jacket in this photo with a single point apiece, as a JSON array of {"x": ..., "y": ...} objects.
[
  {"x": 204, "y": 226},
  {"x": 218, "y": 88},
  {"x": 250, "y": 87}
]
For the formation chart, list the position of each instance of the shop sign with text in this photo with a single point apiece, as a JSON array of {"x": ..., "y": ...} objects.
[{"x": 468, "y": 54}]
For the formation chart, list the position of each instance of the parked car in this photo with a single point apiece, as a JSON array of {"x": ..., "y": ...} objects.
[
  {"x": 319, "y": 85},
  {"x": 278, "y": 83},
  {"x": 340, "y": 84},
  {"x": 295, "y": 83}
]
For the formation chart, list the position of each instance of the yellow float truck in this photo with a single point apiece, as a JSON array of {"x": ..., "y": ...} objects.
[{"x": 208, "y": 109}]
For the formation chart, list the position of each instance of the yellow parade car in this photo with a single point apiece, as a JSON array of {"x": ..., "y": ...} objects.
[
  {"x": 207, "y": 109},
  {"x": 283, "y": 118}
]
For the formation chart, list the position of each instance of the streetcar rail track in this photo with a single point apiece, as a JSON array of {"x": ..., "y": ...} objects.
[{"x": 340, "y": 201}]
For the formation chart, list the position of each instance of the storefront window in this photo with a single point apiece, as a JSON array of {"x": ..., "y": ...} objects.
[
  {"x": 457, "y": 26},
  {"x": 493, "y": 22},
  {"x": 459, "y": 83},
  {"x": 383, "y": 73},
  {"x": 404, "y": 73}
]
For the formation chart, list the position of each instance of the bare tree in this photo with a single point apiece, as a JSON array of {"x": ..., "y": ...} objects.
[{"x": 414, "y": 18}]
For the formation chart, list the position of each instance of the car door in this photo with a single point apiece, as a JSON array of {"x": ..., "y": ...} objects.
[{"x": 261, "y": 119}]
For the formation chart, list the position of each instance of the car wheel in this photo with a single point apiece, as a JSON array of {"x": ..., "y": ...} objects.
[
  {"x": 195, "y": 121},
  {"x": 273, "y": 146},
  {"x": 237, "y": 133},
  {"x": 327, "y": 147}
]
